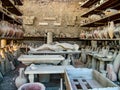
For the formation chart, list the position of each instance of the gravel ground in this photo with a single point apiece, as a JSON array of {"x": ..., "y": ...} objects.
[{"x": 8, "y": 81}]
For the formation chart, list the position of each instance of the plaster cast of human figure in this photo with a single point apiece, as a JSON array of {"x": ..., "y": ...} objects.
[{"x": 56, "y": 47}]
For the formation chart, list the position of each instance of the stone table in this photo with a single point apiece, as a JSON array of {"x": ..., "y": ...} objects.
[
  {"x": 45, "y": 69},
  {"x": 51, "y": 59}
]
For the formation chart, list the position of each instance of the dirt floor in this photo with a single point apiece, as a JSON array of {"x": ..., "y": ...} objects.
[{"x": 8, "y": 81}]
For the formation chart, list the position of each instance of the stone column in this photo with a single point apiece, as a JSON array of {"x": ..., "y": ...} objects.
[{"x": 49, "y": 37}]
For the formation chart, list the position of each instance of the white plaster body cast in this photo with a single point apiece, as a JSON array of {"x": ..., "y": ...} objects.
[{"x": 56, "y": 47}]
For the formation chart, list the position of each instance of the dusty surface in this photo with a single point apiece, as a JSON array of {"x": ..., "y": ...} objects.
[{"x": 8, "y": 82}]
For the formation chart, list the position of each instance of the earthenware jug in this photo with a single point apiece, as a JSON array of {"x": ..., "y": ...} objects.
[
  {"x": 83, "y": 56},
  {"x": 111, "y": 73},
  {"x": 111, "y": 29},
  {"x": 20, "y": 80},
  {"x": 105, "y": 33},
  {"x": 96, "y": 34},
  {"x": 116, "y": 63}
]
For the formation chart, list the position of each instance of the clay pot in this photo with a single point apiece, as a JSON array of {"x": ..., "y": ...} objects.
[
  {"x": 82, "y": 35},
  {"x": 96, "y": 34},
  {"x": 105, "y": 33},
  {"x": 116, "y": 32},
  {"x": 22, "y": 33},
  {"x": 111, "y": 29},
  {"x": 89, "y": 35},
  {"x": 9, "y": 30},
  {"x": 83, "y": 56},
  {"x": 20, "y": 80},
  {"x": 110, "y": 11},
  {"x": 94, "y": 17},
  {"x": 1, "y": 29},
  {"x": 116, "y": 63},
  {"x": 32, "y": 86},
  {"x": 111, "y": 74},
  {"x": 99, "y": 35}
]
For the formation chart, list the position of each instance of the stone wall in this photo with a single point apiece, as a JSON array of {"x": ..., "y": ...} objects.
[{"x": 61, "y": 18}]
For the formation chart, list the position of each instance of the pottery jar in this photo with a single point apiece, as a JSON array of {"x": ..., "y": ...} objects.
[
  {"x": 20, "y": 80},
  {"x": 111, "y": 29},
  {"x": 116, "y": 63}
]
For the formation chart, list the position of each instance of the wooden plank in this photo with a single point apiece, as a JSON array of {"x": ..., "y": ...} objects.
[
  {"x": 101, "y": 22},
  {"x": 82, "y": 84},
  {"x": 93, "y": 83},
  {"x": 103, "y": 6},
  {"x": 73, "y": 85},
  {"x": 14, "y": 9},
  {"x": 89, "y": 3}
]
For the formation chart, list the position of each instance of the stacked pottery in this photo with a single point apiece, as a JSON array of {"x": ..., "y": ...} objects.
[
  {"x": 105, "y": 33},
  {"x": 111, "y": 29},
  {"x": 110, "y": 11},
  {"x": 13, "y": 31},
  {"x": 99, "y": 35},
  {"x": 3, "y": 30},
  {"x": 83, "y": 56},
  {"x": 94, "y": 17},
  {"x": 10, "y": 30},
  {"x": 95, "y": 34},
  {"x": 111, "y": 73},
  {"x": 102, "y": 34},
  {"x": 82, "y": 35},
  {"x": 89, "y": 35},
  {"x": 86, "y": 34},
  {"x": 0, "y": 29},
  {"x": 20, "y": 80},
  {"x": 102, "y": 1}
]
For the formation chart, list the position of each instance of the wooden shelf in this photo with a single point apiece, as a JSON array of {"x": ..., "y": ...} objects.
[
  {"x": 115, "y": 4},
  {"x": 9, "y": 38},
  {"x": 34, "y": 38},
  {"x": 104, "y": 21},
  {"x": 101, "y": 39},
  {"x": 11, "y": 7},
  {"x": 66, "y": 39},
  {"x": 45, "y": 38},
  {"x": 8, "y": 17},
  {"x": 18, "y": 2},
  {"x": 89, "y": 3}
]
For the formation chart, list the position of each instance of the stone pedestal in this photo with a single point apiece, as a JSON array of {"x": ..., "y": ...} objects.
[{"x": 49, "y": 37}]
